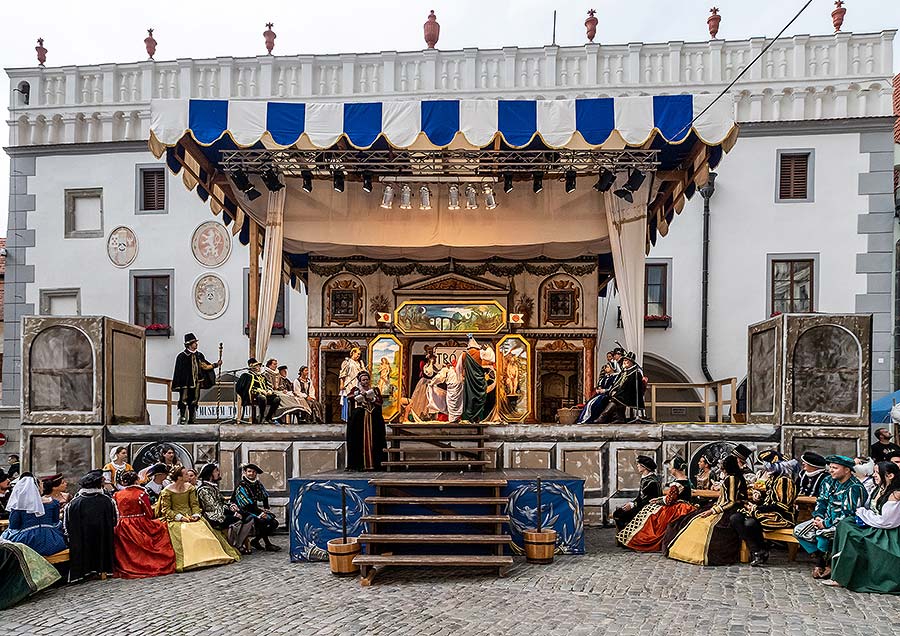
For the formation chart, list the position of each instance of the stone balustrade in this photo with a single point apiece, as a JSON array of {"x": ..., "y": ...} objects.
[{"x": 803, "y": 77}]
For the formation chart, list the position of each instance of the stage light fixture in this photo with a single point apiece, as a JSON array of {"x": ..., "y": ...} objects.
[
  {"x": 624, "y": 193},
  {"x": 570, "y": 181},
  {"x": 537, "y": 182},
  {"x": 635, "y": 179},
  {"x": 338, "y": 181},
  {"x": 387, "y": 197},
  {"x": 507, "y": 182},
  {"x": 270, "y": 179},
  {"x": 453, "y": 198},
  {"x": 605, "y": 181},
  {"x": 405, "y": 197},
  {"x": 306, "y": 175},
  {"x": 241, "y": 181},
  {"x": 490, "y": 201},
  {"x": 424, "y": 198},
  {"x": 367, "y": 181},
  {"x": 471, "y": 198}
]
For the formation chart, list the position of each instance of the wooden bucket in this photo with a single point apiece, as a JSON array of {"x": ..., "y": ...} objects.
[
  {"x": 340, "y": 556},
  {"x": 539, "y": 546},
  {"x": 567, "y": 417}
]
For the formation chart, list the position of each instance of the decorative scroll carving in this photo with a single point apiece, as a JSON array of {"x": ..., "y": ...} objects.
[{"x": 558, "y": 345}]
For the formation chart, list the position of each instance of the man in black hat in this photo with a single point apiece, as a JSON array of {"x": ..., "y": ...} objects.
[
  {"x": 743, "y": 454},
  {"x": 811, "y": 476},
  {"x": 648, "y": 489},
  {"x": 883, "y": 446},
  {"x": 89, "y": 522},
  {"x": 627, "y": 392},
  {"x": 224, "y": 517},
  {"x": 252, "y": 499},
  {"x": 261, "y": 394},
  {"x": 192, "y": 372},
  {"x": 5, "y": 492},
  {"x": 157, "y": 476}
]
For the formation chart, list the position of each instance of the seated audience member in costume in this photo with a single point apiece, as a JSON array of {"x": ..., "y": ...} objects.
[
  {"x": 224, "y": 518},
  {"x": 90, "y": 522},
  {"x": 5, "y": 492},
  {"x": 193, "y": 540},
  {"x": 864, "y": 471},
  {"x": 190, "y": 476},
  {"x": 261, "y": 395},
  {"x": 883, "y": 446},
  {"x": 774, "y": 511},
  {"x": 706, "y": 537},
  {"x": 706, "y": 476},
  {"x": 812, "y": 473},
  {"x": 594, "y": 407},
  {"x": 23, "y": 573},
  {"x": 53, "y": 488},
  {"x": 142, "y": 544},
  {"x": 867, "y": 547},
  {"x": 14, "y": 467},
  {"x": 32, "y": 521},
  {"x": 158, "y": 475},
  {"x": 252, "y": 500},
  {"x": 894, "y": 457},
  {"x": 743, "y": 455},
  {"x": 290, "y": 404},
  {"x": 365, "y": 427},
  {"x": 648, "y": 489},
  {"x": 840, "y": 495},
  {"x": 167, "y": 457},
  {"x": 118, "y": 464},
  {"x": 645, "y": 532},
  {"x": 304, "y": 389},
  {"x": 627, "y": 392}
]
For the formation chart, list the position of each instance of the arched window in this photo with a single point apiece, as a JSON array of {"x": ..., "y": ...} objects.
[
  {"x": 61, "y": 371},
  {"x": 826, "y": 371}
]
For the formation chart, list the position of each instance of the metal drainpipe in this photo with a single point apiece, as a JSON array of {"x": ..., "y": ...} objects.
[{"x": 706, "y": 192}]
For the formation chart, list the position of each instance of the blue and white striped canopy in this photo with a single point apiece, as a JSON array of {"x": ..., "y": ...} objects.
[{"x": 558, "y": 123}]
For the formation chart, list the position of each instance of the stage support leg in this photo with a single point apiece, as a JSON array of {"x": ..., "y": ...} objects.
[{"x": 253, "y": 290}]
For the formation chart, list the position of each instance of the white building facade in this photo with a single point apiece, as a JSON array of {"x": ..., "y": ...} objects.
[{"x": 802, "y": 218}]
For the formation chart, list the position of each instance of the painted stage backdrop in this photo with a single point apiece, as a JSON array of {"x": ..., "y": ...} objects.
[
  {"x": 315, "y": 512},
  {"x": 385, "y": 362}
]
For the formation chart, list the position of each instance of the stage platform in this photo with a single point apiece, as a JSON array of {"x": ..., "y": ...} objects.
[{"x": 314, "y": 510}]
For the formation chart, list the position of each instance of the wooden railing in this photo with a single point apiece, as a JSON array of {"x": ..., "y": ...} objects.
[
  {"x": 712, "y": 396},
  {"x": 168, "y": 401}
]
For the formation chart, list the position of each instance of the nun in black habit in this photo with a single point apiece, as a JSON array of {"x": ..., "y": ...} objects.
[{"x": 89, "y": 523}]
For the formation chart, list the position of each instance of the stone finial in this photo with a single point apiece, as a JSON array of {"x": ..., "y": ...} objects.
[
  {"x": 270, "y": 36},
  {"x": 41, "y": 52},
  {"x": 150, "y": 43},
  {"x": 591, "y": 24},
  {"x": 713, "y": 22},
  {"x": 837, "y": 16},
  {"x": 432, "y": 30}
]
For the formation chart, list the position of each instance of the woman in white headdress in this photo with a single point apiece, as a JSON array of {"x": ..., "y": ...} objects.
[
  {"x": 118, "y": 464},
  {"x": 33, "y": 521}
]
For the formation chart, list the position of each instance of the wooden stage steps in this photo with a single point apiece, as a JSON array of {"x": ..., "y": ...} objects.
[
  {"x": 435, "y": 520},
  {"x": 437, "y": 445}
]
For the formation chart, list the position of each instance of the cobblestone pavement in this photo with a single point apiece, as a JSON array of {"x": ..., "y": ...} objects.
[{"x": 608, "y": 590}]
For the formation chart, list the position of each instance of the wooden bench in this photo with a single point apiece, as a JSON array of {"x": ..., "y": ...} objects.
[
  {"x": 63, "y": 557},
  {"x": 784, "y": 535}
]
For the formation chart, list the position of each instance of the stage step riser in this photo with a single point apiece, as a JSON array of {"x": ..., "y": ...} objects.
[
  {"x": 434, "y": 559},
  {"x": 490, "y": 519},
  {"x": 436, "y": 463},
  {"x": 440, "y": 539},
  {"x": 445, "y": 482},
  {"x": 400, "y": 500},
  {"x": 438, "y": 427},
  {"x": 436, "y": 438}
]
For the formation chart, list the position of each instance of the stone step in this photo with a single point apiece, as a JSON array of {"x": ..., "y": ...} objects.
[
  {"x": 436, "y": 519},
  {"x": 436, "y": 538}
]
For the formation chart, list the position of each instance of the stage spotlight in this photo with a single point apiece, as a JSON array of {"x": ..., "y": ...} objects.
[
  {"x": 270, "y": 179},
  {"x": 605, "y": 181},
  {"x": 453, "y": 199},
  {"x": 537, "y": 182},
  {"x": 570, "y": 181},
  {"x": 424, "y": 198},
  {"x": 338, "y": 181},
  {"x": 490, "y": 201},
  {"x": 367, "y": 181},
  {"x": 624, "y": 193},
  {"x": 635, "y": 179},
  {"x": 306, "y": 175},
  {"x": 241, "y": 181},
  {"x": 507, "y": 182},
  {"x": 405, "y": 197},
  {"x": 387, "y": 197},
  {"x": 471, "y": 198}
]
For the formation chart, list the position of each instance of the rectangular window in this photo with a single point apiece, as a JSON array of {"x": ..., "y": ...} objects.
[
  {"x": 84, "y": 213},
  {"x": 279, "y": 324},
  {"x": 151, "y": 189},
  {"x": 795, "y": 171},
  {"x": 655, "y": 296},
  {"x": 151, "y": 303},
  {"x": 792, "y": 286},
  {"x": 60, "y": 302}
]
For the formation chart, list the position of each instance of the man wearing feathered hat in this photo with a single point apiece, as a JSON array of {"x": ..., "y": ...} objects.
[
  {"x": 627, "y": 392},
  {"x": 192, "y": 372}
]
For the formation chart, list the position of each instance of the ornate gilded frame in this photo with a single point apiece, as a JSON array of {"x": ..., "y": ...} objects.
[
  {"x": 501, "y": 374},
  {"x": 391, "y": 405},
  {"x": 407, "y": 332}
]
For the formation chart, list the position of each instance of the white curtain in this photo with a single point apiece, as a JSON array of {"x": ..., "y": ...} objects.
[
  {"x": 271, "y": 280},
  {"x": 628, "y": 240}
]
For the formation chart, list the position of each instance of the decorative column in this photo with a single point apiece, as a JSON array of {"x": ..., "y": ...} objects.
[
  {"x": 590, "y": 345},
  {"x": 313, "y": 364}
]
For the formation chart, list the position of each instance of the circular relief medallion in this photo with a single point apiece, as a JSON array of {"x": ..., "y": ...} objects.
[
  {"x": 211, "y": 244},
  {"x": 210, "y": 296},
  {"x": 122, "y": 246}
]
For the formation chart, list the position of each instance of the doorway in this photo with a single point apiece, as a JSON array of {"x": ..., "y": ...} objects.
[
  {"x": 560, "y": 380},
  {"x": 331, "y": 398}
]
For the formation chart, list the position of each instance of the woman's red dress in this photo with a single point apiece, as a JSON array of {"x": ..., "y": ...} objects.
[{"x": 142, "y": 543}]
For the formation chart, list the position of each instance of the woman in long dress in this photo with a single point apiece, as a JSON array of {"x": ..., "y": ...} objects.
[
  {"x": 706, "y": 537},
  {"x": 194, "y": 542},
  {"x": 596, "y": 404},
  {"x": 867, "y": 548},
  {"x": 365, "y": 428},
  {"x": 32, "y": 521},
  {"x": 23, "y": 572},
  {"x": 142, "y": 544}
]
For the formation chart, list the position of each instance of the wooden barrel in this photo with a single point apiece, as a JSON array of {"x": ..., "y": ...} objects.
[
  {"x": 340, "y": 556},
  {"x": 539, "y": 546}
]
